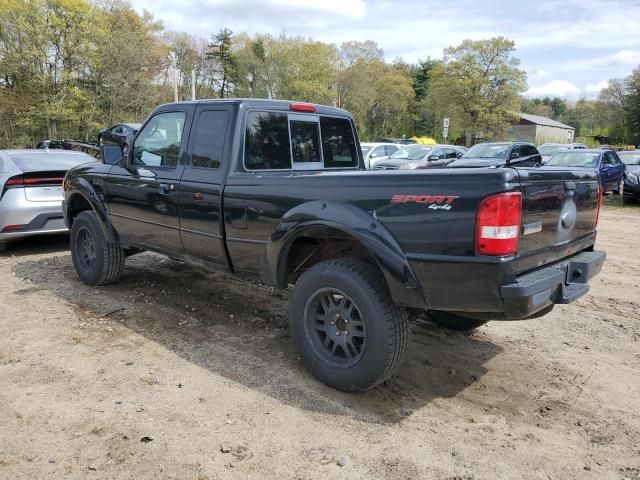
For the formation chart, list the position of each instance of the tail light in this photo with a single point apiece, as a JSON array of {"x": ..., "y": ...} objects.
[
  {"x": 599, "y": 205},
  {"x": 23, "y": 181},
  {"x": 35, "y": 179},
  {"x": 498, "y": 224}
]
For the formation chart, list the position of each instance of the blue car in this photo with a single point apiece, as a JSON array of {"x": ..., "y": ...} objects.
[{"x": 605, "y": 162}]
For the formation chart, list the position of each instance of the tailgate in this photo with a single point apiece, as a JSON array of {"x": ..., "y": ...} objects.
[{"x": 559, "y": 214}]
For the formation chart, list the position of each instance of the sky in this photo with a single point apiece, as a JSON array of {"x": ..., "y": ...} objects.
[{"x": 568, "y": 48}]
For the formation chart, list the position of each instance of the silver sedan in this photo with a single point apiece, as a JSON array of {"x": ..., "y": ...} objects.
[{"x": 31, "y": 191}]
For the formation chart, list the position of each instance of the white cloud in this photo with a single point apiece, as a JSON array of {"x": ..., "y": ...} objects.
[
  {"x": 596, "y": 87},
  {"x": 626, "y": 57},
  {"x": 541, "y": 72},
  {"x": 554, "y": 88},
  {"x": 348, "y": 8}
]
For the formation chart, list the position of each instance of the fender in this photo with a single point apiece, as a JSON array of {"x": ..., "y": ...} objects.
[
  {"x": 81, "y": 186},
  {"x": 356, "y": 223}
]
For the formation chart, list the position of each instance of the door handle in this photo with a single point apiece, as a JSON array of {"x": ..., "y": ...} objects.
[{"x": 165, "y": 188}]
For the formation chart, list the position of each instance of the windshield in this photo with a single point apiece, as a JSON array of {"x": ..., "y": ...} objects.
[
  {"x": 411, "y": 153},
  {"x": 365, "y": 149},
  {"x": 575, "y": 158},
  {"x": 630, "y": 158},
  {"x": 550, "y": 150},
  {"x": 488, "y": 150}
]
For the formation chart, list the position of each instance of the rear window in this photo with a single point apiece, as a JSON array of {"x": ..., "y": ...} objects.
[
  {"x": 338, "y": 144},
  {"x": 43, "y": 160},
  {"x": 276, "y": 141}
]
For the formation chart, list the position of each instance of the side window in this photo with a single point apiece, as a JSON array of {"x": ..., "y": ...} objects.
[
  {"x": 606, "y": 159},
  {"x": 516, "y": 152},
  {"x": 378, "y": 151},
  {"x": 615, "y": 158},
  {"x": 338, "y": 143},
  {"x": 390, "y": 149},
  {"x": 209, "y": 139},
  {"x": 305, "y": 144},
  {"x": 529, "y": 150},
  {"x": 436, "y": 154},
  {"x": 450, "y": 153},
  {"x": 267, "y": 145},
  {"x": 158, "y": 144}
]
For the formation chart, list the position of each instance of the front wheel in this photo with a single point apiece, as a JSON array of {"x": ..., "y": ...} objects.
[
  {"x": 455, "y": 322},
  {"x": 347, "y": 329},
  {"x": 96, "y": 261}
]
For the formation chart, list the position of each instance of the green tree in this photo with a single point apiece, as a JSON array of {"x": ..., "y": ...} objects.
[
  {"x": 481, "y": 82},
  {"x": 632, "y": 105},
  {"x": 221, "y": 51}
]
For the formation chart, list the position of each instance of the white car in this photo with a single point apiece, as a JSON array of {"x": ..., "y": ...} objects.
[
  {"x": 375, "y": 152},
  {"x": 31, "y": 191},
  {"x": 548, "y": 150}
]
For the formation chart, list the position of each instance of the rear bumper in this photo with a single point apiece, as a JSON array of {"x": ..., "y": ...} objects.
[
  {"x": 491, "y": 288},
  {"x": 560, "y": 283},
  {"x": 20, "y": 217}
]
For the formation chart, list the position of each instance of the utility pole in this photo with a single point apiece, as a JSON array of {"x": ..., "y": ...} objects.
[
  {"x": 172, "y": 56},
  {"x": 193, "y": 84}
]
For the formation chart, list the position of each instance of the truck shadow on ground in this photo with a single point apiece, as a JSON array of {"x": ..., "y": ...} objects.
[{"x": 238, "y": 329}]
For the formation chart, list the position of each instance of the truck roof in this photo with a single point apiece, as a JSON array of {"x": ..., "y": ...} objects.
[{"x": 266, "y": 103}]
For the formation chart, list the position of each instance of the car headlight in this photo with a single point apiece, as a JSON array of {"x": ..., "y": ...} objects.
[{"x": 632, "y": 178}]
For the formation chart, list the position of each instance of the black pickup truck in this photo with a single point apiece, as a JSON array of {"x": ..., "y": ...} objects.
[{"x": 275, "y": 190}]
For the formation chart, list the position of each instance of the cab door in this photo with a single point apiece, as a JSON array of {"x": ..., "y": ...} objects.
[
  {"x": 143, "y": 197},
  {"x": 200, "y": 204}
]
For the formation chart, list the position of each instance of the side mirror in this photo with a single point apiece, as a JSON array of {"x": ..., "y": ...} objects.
[
  {"x": 374, "y": 155},
  {"x": 112, "y": 154},
  {"x": 433, "y": 157},
  {"x": 514, "y": 155}
]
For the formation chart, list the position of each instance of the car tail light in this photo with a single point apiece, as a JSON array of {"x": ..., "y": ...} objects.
[
  {"x": 13, "y": 227},
  {"x": 25, "y": 180},
  {"x": 599, "y": 205},
  {"x": 13, "y": 181},
  {"x": 498, "y": 224},
  {"x": 303, "y": 107}
]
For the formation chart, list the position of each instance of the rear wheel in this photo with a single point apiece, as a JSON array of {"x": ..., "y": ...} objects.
[
  {"x": 349, "y": 333},
  {"x": 96, "y": 261},
  {"x": 455, "y": 322},
  {"x": 618, "y": 191}
]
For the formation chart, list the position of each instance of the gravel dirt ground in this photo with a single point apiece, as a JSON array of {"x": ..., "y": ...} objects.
[{"x": 176, "y": 373}]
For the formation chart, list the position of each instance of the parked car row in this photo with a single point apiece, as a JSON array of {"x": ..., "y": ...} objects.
[{"x": 607, "y": 163}]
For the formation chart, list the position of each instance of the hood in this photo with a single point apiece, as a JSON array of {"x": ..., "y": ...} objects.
[
  {"x": 400, "y": 163},
  {"x": 477, "y": 162}
]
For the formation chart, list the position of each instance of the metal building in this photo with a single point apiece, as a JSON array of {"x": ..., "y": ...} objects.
[{"x": 538, "y": 130}]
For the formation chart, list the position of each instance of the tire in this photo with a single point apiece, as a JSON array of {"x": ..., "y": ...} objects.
[
  {"x": 96, "y": 261},
  {"x": 368, "y": 338},
  {"x": 618, "y": 191},
  {"x": 625, "y": 201},
  {"x": 3, "y": 246},
  {"x": 455, "y": 322}
]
